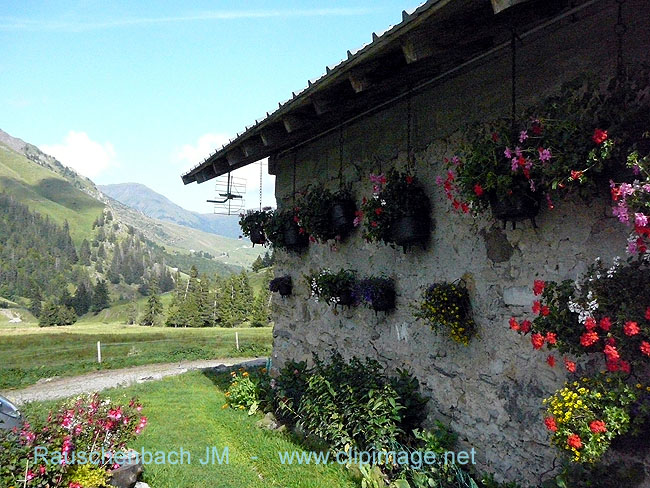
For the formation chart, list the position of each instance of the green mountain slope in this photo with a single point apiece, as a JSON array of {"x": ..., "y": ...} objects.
[
  {"x": 48, "y": 192},
  {"x": 157, "y": 206}
]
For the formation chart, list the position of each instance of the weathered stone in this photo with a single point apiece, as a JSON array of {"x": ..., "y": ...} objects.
[
  {"x": 518, "y": 295},
  {"x": 497, "y": 247}
]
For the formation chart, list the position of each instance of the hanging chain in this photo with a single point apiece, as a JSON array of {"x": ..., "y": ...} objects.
[
  {"x": 340, "y": 157},
  {"x": 621, "y": 29},
  {"x": 295, "y": 156},
  {"x": 513, "y": 49},
  {"x": 261, "y": 174},
  {"x": 409, "y": 149}
]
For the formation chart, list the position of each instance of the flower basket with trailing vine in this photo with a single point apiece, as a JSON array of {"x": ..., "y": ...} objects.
[
  {"x": 333, "y": 288},
  {"x": 566, "y": 145},
  {"x": 282, "y": 285},
  {"x": 326, "y": 215},
  {"x": 284, "y": 231},
  {"x": 253, "y": 223},
  {"x": 399, "y": 211},
  {"x": 377, "y": 292},
  {"x": 447, "y": 305}
]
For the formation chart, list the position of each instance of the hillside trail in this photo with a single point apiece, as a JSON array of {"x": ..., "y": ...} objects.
[{"x": 63, "y": 387}]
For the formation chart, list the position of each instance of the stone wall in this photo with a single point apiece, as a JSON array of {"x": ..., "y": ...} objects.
[{"x": 491, "y": 390}]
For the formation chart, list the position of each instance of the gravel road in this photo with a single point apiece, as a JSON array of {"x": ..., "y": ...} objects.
[{"x": 56, "y": 388}]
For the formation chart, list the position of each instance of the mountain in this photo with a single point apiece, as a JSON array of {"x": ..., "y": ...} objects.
[{"x": 157, "y": 206}]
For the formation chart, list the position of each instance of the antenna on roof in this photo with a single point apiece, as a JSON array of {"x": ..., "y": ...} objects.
[{"x": 231, "y": 189}]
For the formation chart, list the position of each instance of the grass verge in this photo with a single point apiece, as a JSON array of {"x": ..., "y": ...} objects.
[{"x": 185, "y": 411}]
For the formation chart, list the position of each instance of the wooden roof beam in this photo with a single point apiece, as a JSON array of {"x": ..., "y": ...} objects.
[
  {"x": 293, "y": 122},
  {"x": 359, "y": 81},
  {"x": 272, "y": 135},
  {"x": 252, "y": 146},
  {"x": 234, "y": 156}
]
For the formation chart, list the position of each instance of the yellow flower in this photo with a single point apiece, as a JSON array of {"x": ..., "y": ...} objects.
[
  {"x": 225, "y": 405},
  {"x": 241, "y": 407},
  {"x": 227, "y": 394},
  {"x": 245, "y": 374},
  {"x": 263, "y": 370}
]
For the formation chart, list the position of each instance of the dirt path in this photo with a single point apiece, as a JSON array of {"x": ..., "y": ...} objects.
[{"x": 57, "y": 388}]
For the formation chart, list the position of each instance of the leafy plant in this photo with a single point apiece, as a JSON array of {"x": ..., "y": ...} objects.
[
  {"x": 332, "y": 288},
  {"x": 394, "y": 196},
  {"x": 284, "y": 231},
  {"x": 255, "y": 221},
  {"x": 447, "y": 305},
  {"x": 377, "y": 291},
  {"x": 246, "y": 390},
  {"x": 315, "y": 212}
]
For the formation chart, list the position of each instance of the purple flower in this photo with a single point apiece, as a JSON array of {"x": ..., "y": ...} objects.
[
  {"x": 544, "y": 155},
  {"x": 507, "y": 153},
  {"x": 632, "y": 248},
  {"x": 626, "y": 189},
  {"x": 514, "y": 165},
  {"x": 439, "y": 180},
  {"x": 455, "y": 160},
  {"x": 640, "y": 219},
  {"x": 532, "y": 185},
  {"x": 636, "y": 169},
  {"x": 621, "y": 212},
  {"x": 518, "y": 151},
  {"x": 523, "y": 135}
]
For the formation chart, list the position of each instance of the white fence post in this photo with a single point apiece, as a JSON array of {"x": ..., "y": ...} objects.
[
  {"x": 99, "y": 352},
  {"x": 237, "y": 339}
]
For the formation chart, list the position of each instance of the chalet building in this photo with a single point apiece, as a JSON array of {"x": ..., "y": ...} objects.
[{"x": 400, "y": 101}]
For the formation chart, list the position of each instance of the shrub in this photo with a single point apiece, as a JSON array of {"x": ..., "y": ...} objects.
[
  {"x": 244, "y": 392},
  {"x": 348, "y": 404}
]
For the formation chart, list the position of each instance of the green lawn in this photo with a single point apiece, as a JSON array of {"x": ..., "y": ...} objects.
[
  {"x": 185, "y": 411},
  {"x": 29, "y": 353}
]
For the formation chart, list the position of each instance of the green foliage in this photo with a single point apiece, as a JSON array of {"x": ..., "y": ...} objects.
[
  {"x": 394, "y": 196},
  {"x": 315, "y": 211},
  {"x": 332, "y": 288},
  {"x": 278, "y": 224},
  {"x": 261, "y": 312},
  {"x": 351, "y": 404},
  {"x": 53, "y": 314},
  {"x": 246, "y": 389},
  {"x": 447, "y": 305},
  {"x": 87, "y": 476},
  {"x": 100, "y": 300},
  {"x": 154, "y": 309},
  {"x": 255, "y": 221}
]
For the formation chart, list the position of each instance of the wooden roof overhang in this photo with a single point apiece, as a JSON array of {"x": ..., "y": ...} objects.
[{"x": 432, "y": 41}]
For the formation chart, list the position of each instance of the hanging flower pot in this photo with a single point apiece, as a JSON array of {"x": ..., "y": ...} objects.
[
  {"x": 252, "y": 224},
  {"x": 284, "y": 231},
  {"x": 398, "y": 212},
  {"x": 342, "y": 216},
  {"x": 295, "y": 237},
  {"x": 409, "y": 230},
  {"x": 520, "y": 204},
  {"x": 282, "y": 285},
  {"x": 333, "y": 288},
  {"x": 377, "y": 292}
]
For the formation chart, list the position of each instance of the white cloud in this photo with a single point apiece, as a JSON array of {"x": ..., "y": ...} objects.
[
  {"x": 193, "y": 154},
  {"x": 81, "y": 153}
]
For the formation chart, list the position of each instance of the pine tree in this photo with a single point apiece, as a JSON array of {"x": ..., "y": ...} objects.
[
  {"x": 49, "y": 314},
  {"x": 35, "y": 299},
  {"x": 100, "y": 299},
  {"x": 132, "y": 314},
  {"x": 154, "y": 308},
  {"x": 257, "y": 264},
  {"x": 261, "y": 312},
  {"x": 84, "y": 253},
  {"x": 82, "y": 299}
]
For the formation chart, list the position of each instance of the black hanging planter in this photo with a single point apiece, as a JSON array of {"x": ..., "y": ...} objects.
[
  {"x": 282, "y": 285},
  {"x": 257, "y": 236},
  {"x": 383, "y": 300},
  {"x": 293, "y": 239},
  {"x": 346, "y": 298},
  {"x": 410, "y": 230},
  {"x": 521, "y": 204},
  {"x": 342, "y": 217}
]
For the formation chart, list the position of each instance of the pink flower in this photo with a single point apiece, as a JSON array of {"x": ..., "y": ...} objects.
[
  {"x": 544, "y": 155},
  {"x": 378, "y": 179},
  {"x": 640, "y": 219},
  {"x": 507, "y": 153},
  {"x": 523, "y": 135}
]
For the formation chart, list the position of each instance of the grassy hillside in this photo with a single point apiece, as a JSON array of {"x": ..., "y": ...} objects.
[{"x": 48, "y": 193}]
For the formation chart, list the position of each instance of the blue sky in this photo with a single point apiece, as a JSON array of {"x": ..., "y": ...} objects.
[{"x": 142, "y": 91}]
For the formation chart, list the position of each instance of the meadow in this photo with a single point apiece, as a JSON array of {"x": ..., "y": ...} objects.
[{"x": 29, "y": 353}]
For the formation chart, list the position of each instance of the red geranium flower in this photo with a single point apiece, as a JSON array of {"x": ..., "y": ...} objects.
[
  {"x": 409, "y": 179},
  {"x": 537, "y": 129},
  {"x": 631, "y": 328},
  {"x": 613, "y": 366},
  {"x": 605, "y": 323},
  {"x": 525, "y": 326},
  {"x": 574, "y": 441},
  {"x": 545, "y": 311},
  {"x": 590, "y": 323},
  {"x": 570, "y": 365},
  {"x": 537, "y": 340},
  {"x": 647, "y": 313},
  {"x": 464, "y": 207},
  {"x": 598, "y": 426},
  {"x": 575, "y": 175},
  {"x": 514, "y": 325},
  {"x": 550, "y": 424},
  {"x": 538, "y": 287},
  {"x": 551, "y": 337},
  {"x": 611, "y": 353},
  {"x": 373, "y": 224},
  {"x": 536, "y": 307},
  {"x": 495, "y": 138},
  {"x": 645, "y": 348},
  {"x": 478, "y": 189},
  {"x": 625, "y": 366},
  {"x": 599, "y": 136},
  {"x": 551, "y": 360},
  {"x": 379, "y": 210},
  {"x": 588, "y": 339}
]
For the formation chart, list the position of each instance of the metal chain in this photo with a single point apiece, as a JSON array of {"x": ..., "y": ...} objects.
[
  {"x": 409, "y": 149},
  {"x": 621, "y": 29},
  {"x": 513, "y": 49},
  {"x": 261, "y": 174},
  {"x": 295, "y": 156},
  {"x": 341, "y": 157}
]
